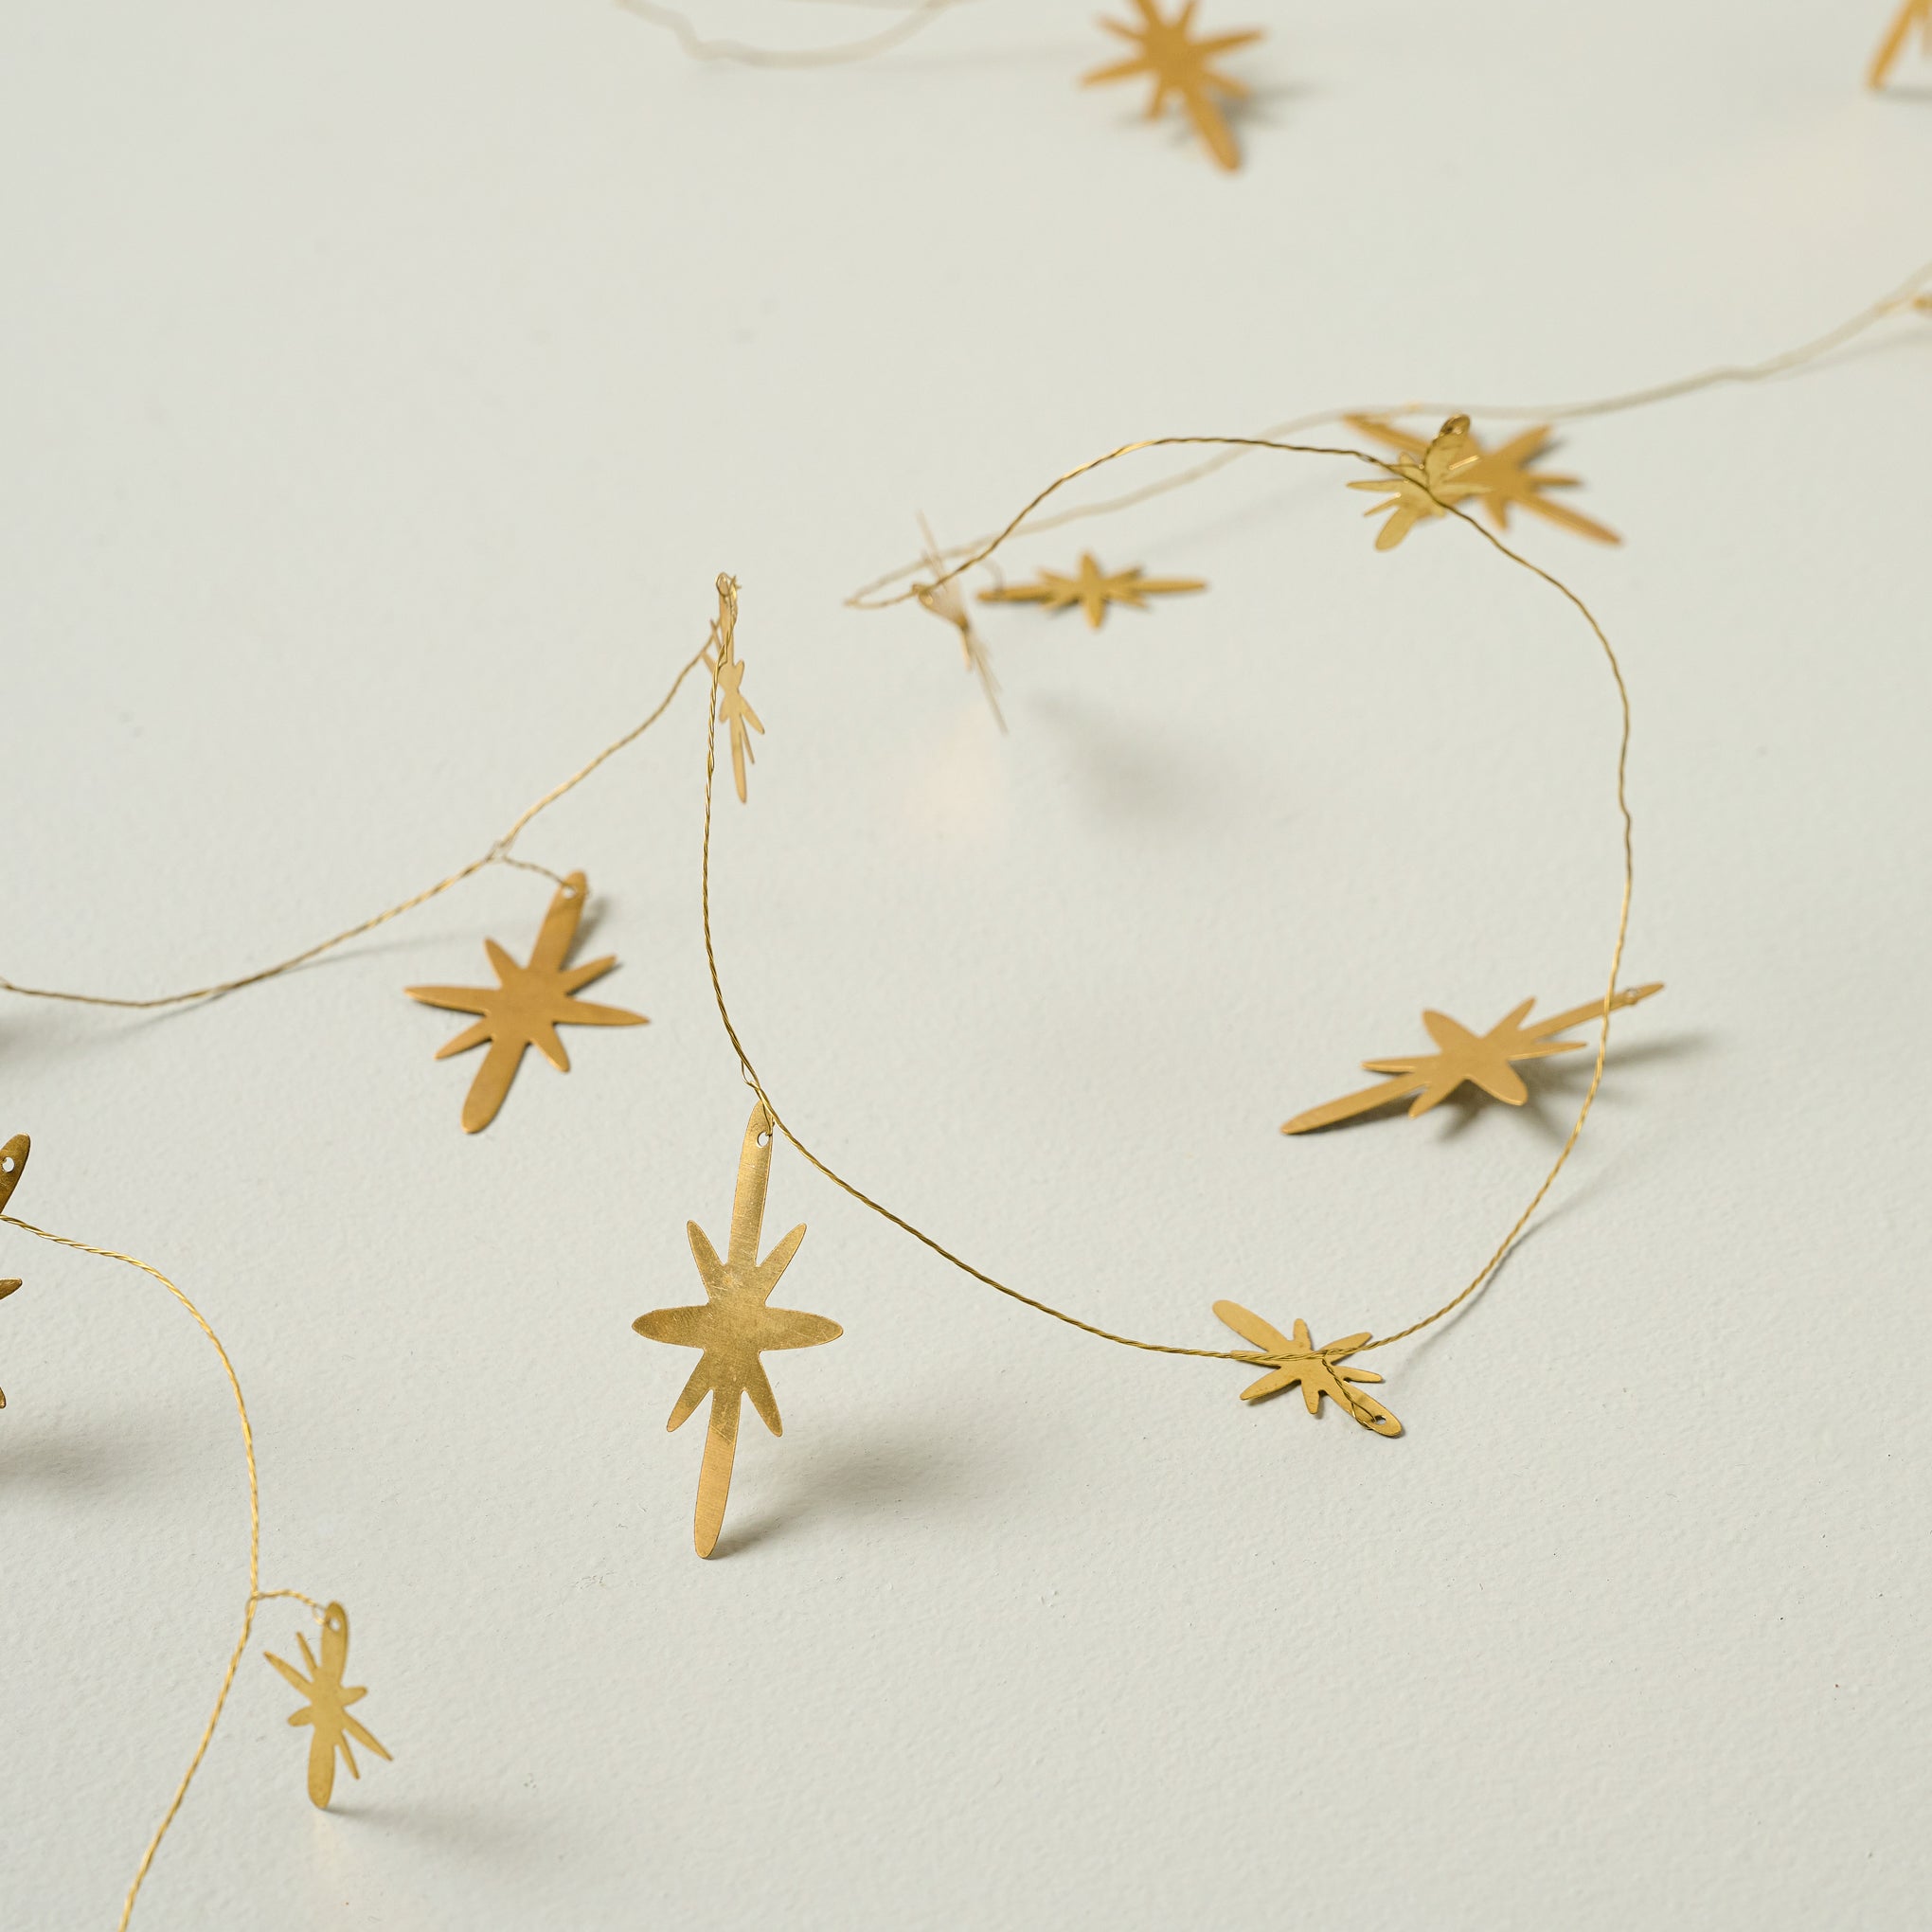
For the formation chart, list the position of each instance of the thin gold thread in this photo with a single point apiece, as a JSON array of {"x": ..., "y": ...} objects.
[
  {"x": 920, "y": 14},
  {"x": 979, "y": 554},
  {"x": 256, "y": 1593},
  {"x": 1906, "y": 296},
  {"x": 498, "y": 854}
]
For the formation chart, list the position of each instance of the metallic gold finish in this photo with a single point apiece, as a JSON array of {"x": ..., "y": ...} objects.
[
  {"x": 526, "y": 1006},
  {"x": 733, "y": 708},
  {"x": 1429, "y": 485},
  {"x": 1178, "y": 65},
  {"x": 1318, "y": 1370},
  {"x": 1501, "y": 478},
  {"x": 1090, "y": 587},
  {"x": 948, "y": 603},
  {"x": 1912, "y": 13},
  {"x": 12, "y": 1164},
  {"x": 734, "y": 1326},
  {"x": 1482, "y": 1060},
  {"x": 327, "y": 1711}
]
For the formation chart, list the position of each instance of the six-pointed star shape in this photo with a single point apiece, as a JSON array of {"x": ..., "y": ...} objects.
[
  {"x": 1424, "y": 486},
  {"x": 1318, "y": 1370},
  {"x": 1178, "y": 65},
  {"x": 1093, "y": 589},
  {"x": 1484, "y": 1060},
  {"x": 733, "y": 1326},
  {"x": 328, "y": 1706},
  {"x": 527, "y": 1007},
  {"x": 1501, "y": 478}
]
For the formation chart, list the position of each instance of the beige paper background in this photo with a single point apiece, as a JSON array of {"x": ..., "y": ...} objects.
[{"x": 384, "y": 386}]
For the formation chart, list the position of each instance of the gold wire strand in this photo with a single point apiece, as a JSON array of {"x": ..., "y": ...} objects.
[
  {"x": 498, "y": 854},
  {"x": 256, "y": 1593},
  {"x": 979, "y": 554},
  {"x": 1908, "y": 295},
  {"x": 920, "y": 14}
]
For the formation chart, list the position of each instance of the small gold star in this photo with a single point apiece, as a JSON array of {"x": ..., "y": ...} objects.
[
  {"x": 1178, "y": 65},
  {"x": 12, "y": 1164},
  {"x": 527, "y": 1007},
  {"x": 732, "y": 706},
  {"x": 1912, "y": 13},
  {"x": 328, "y": 1706},
  {"x": 734, "y": 1326},
  {"x": 1318, "y": 1370},
  {"x": 1501, "y": 478},
  {"x": 1093, "y": 589},
  {"x": 947, "y": 602},
  {"x": 1482, "y": 1060},
  {"x": 1424, "y": 486}
]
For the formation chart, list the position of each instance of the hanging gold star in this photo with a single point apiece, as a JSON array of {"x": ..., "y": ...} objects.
[
  {"x": 1912, "y": 13},
  {"x": 734, "y": 1326},
  {"x": 527, "y": 1007},
  {"x": 1423, "y": 485},
  {"x": 1093, "y": 589},
  {"x": 327, "y": 1710},
  {"x": 947, "y": 602},
  {"x": 1501, "y": 478},
  {"x": 1481, "y": 1059},
  {"x": 12, "y": 1164},
  {"x": 1318, "y": 1370},
  {"x": 1178, "y": 65},
  {"x": 732, "y": 708}
]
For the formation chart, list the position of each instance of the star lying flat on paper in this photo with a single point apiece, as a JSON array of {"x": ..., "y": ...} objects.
[
  {"x": 734, "y": 1326},
  {"x": 12, "y": 1164},
  {"x": 733, "y": 712},
  {"x": 327, "y": 1710},
  {"x": 1480, "y": 1060},
  {"x": 526, "y": 1006},
  {"x": 1093, "y": 589},
  {"x": 1501, "y": 478},
  {"x": 1913, "y": 13},
  {"x": 947, "y": 602},
  {"x": 1318, "y": 1370},
  {"x": 1178, "y": 65},
  {"x": 1425, "y": 486}
]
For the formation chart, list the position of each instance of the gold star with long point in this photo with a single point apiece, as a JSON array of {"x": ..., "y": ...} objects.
[
  {"x": 734, "y": 1326},
  {"x": 1093, "y": 589},
  {"x": 526, "y": 1006},
  {"x": 733, "y": 709},
  {"x": 12, "y": 1164},
  {"x": 1178, "y": 65},
  {"x": 947, "y": 602},
  {"x": 327, "y": 1711},
  {"x": 1501, "y": 479},
  {"x": 1419, "y": 487},
  {"x": 1913, "y": 13},
  {"x": 1480, "y": 1059},
  {"x": 1318, "y": 1370}
]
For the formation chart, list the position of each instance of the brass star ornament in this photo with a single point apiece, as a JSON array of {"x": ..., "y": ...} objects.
[
  {"x": 1093, "y": 589},
  {"x": 1481, "y": 1059},
  {"x": 1180, "y": 66},
  {"x": 1500, "y": 479},
  {"x": 1913, "y": 13},
  {"x": 1421, "y": 487},
  {"x": 947, "y": 602},
  {"x": 12, "y": 1164},
  {"x": 1318, "y": 1370},
  {"x": 327, "y": 1711},
  {"x": 734, "y": 1326},
  {"x": 526, "y": 1006},
  {"x": 734, "y": 710}
]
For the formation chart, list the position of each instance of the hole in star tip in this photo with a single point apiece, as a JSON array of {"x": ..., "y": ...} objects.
[
  {"x": 6, "y": 1165},
  {"x": 764, "y": 1139}
]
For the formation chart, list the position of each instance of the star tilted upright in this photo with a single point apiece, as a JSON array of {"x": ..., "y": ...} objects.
[
  {"x": 327, "y": 1710},
  {"x": 1482, "y": 1060},
  {"x": 526, "y": 1006},
  {"x": 1178, "y": 65},
  {"x": 734, "y": 1326}
]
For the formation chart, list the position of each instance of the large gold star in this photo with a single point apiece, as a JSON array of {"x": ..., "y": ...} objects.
[
  {"x": 527, "y": 1007},
  {"x": 327, "y": 1710},
  {"x": 1093, "y": 589},
  {"x": 1501, "y": 478},
  {"x": 12, "y": 1164},
  {"x": 1178, "y": 65},
  {"x": 1318, "y": 1370},
  {"x": 1482, "y": 1060},
  {"x": 734, "y": 1326},
  {"x": 1912, "y": 13},
  {"x": 1424, "y": 485}
]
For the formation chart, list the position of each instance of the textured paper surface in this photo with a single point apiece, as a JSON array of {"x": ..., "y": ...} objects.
[{"x": 355, "y": 349}]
